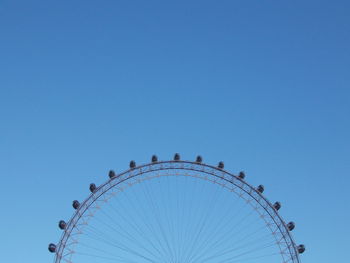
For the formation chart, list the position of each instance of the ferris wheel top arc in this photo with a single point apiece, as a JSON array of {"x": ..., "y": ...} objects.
[{"x": 196, "y": 165}]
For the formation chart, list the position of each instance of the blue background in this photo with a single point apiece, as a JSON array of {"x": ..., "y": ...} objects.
[{"x": 86, "y": 86}]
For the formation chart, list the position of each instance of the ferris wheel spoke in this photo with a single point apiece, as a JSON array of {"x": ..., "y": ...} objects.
[
  {"x": 212, "y": 236},
  {"x": 209, "y": 235},
  {"x": 225, "y": 220},
  {"x": 238, "y": 238},
  {"x": 188, "y": 212},
  {"x": 218, "y": 241},
  {"x": 122, "y": 233},
  {"x": 130, "y": 236},
  {"x": 172, "y": 212},
  {"x": 206, "y": 218},
  {"x": 221, "y": 254},
  {"x": 226, "y": 235},
  {"x": 177, "y": 219},
  {"x": 140, "y": 233},
  {"x": 243, "y": 244},
  {"x": 97, "y": 233},
  {"x": 235, "y": 249},
  {"x": 200, "y": 239},
  {"x": 207, "y": 210},
  {"x": 110, "y": 242},
  {"x": 249, "y": 259},
  {"x": 108, "y": 258},
  {"x": 210, "y": 247},
  {"x": 162, "y": 205},
  {"x": 193, "y": 210},
  {"x": 155, "y": 210},
  {"x": 251, "y": 251},
  {"x": 151, "y": 230},
  {"x": 105, "y": 253}
]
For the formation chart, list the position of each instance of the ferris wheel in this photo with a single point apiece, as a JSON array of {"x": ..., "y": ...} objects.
[{"x": 176, "y": 212}]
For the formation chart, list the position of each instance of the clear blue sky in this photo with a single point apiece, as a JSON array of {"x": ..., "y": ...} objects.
[{"x": 86, "y": 86}]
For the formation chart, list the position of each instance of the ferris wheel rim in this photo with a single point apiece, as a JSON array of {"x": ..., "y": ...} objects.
[{"x": 154, "y": 166}]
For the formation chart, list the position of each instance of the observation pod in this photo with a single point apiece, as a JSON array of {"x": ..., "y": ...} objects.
[
  {"x": 177, "y": 157},
  {"x": 301, "y": 249},
  {"x": 154, "y": 158},
  {"x": 241, "y": 175},
  {"x": 111, "y": 174},
  {"x": 52, "y": 248},
  {"x": 291, "y": 226},
  {"x": 92, "y": 188},
  {"x": 76, "y": 204},
  {"x": 62, "y": 225},
  {"x": 277, "y": 205},
  {"x": 132, "y": 164},
  {"x": 221, "y": 165},
  {"x": 199, "y": 159},
  {"x": 260, "y": 188}
]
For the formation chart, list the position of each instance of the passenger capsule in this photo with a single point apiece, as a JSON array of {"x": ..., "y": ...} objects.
[
  {"x": 76, "y": 204},
  {"x": 92, "y": 188},
  {"x": 199, "y": 159},
  {"x": 277, "y": 205},
  {"x": 221, "y": 165},
  {"x": 241, "y": 175},
  {"x": 301, "y": 249},
  {"x": 177, "y": 157},
  {"x": 291, "y": 226},
  {"x": 62, "y": 225},
  {"x": 111, "y": 174},
  {"x": 260, "y": 188},
  {"x": 132, "y": 164},
  {"x": 154, "y": 159},
  {"x": 52, "y": 248}
]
